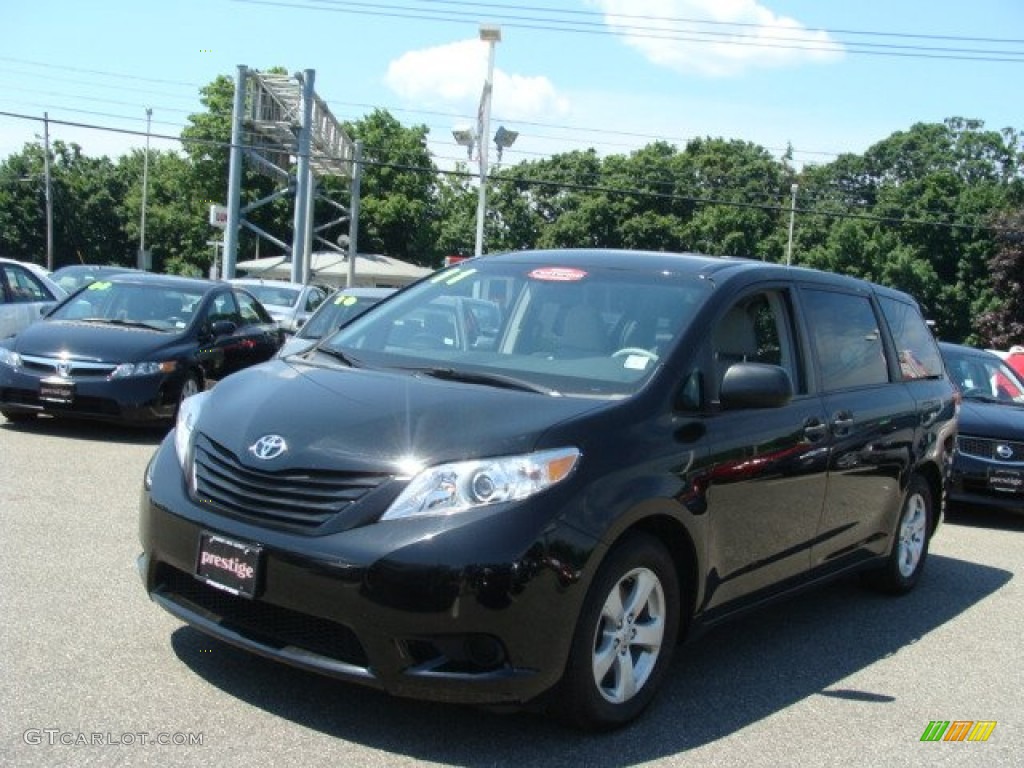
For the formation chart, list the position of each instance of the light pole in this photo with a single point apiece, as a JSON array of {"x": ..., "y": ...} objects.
[
  {"x": 491, "y": 35},
  {"x": 49, "y": 192},
  {"x": 792, "y": 219},
  {"x": 145, "y": 189}
]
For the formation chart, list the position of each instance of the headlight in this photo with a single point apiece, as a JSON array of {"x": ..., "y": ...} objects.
[
  {"x": 450, "y": 488},
  {"x": 185, "y": 427},
  {"x": 10, "y": 357},
  {"x": 124, "y": 370}
]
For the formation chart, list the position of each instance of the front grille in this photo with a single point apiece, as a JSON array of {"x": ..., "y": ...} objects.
[
  {"x": 985, "y": 448},
  {"x": 66, "y": 368},
  {"x": 264, "y": 623},
  {"x": 305, "y": 498}
]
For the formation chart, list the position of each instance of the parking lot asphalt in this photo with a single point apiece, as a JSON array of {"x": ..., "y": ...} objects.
[{"x": 95, "y": 674}]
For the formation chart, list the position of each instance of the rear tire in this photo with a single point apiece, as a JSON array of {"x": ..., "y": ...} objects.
[
  {"x": 624, "y": 638},
  {"x": 909, "y": 552}
]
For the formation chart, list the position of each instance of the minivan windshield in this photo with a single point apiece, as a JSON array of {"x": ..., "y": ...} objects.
[{"x": 558, "y": 329}]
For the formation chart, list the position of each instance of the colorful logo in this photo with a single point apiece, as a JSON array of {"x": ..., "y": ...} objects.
[{"x": 958, "y": 730}]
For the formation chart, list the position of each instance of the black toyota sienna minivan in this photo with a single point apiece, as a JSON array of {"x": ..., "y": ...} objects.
[{"x": 523, "y": 478}]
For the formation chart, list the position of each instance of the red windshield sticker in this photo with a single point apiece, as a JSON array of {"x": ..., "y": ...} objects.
[{"x": 558, "y": 274}]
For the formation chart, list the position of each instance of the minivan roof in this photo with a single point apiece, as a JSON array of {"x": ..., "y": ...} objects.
[{"x": 716, "y": 268}]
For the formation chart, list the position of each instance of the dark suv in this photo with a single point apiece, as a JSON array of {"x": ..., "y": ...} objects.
[{"x": 643, "y": 443}]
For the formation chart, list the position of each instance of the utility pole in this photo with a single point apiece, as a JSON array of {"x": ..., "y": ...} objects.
[
  {"x": 142, "y": 261},
  {"x": 49, "y": 192}
]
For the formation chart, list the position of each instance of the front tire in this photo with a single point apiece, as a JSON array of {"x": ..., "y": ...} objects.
[
  {"x": 909, "y": 552},
  {"x": 191, "y": 386},
  {"x": 624, "y": 639},
  {"x": 18, "y": 417}
]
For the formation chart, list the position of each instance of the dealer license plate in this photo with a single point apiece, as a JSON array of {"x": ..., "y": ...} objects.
[
  {"x": 59, "y": 391},
  {"x": 228, "y": 565},
  {"x": 1006, "y": 480}
]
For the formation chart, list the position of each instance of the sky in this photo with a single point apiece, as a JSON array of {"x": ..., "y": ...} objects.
[{"x": 614, "y": 75}]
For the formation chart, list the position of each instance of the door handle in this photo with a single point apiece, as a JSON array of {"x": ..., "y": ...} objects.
[{"x": 815, "y": 430}]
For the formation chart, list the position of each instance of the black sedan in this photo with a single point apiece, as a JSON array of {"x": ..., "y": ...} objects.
[
  {"x": 132, "y": 347},
  {"x": 988, "y": 465}
]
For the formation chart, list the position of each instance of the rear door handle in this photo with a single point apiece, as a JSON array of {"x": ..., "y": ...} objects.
[{"x": 842, "y": 423}]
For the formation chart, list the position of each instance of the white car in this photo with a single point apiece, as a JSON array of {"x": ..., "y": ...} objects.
[
  {"x": 290, "y": 304},
  {"x": 26, "y": 294}
]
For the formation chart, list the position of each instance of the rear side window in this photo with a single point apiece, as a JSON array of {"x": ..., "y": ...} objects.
[
  {"x": 847, "y": 339},
  {"x": 23, "y": 286},
  {"x": 919, "y": 355}
]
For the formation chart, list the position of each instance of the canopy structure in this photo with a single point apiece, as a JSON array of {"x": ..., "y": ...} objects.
[{"x": 371, "y": 269}]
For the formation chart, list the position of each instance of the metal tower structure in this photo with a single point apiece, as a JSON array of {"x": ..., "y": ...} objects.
[{"x": 288, "y": 133}]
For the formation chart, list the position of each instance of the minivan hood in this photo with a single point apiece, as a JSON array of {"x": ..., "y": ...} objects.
[
  {"x": 999, "y": 421},
  {"x": 364, "y": 419},
  {"x": 103, "y": 342}
]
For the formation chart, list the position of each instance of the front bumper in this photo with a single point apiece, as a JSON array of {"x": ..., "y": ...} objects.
[
  {"x": 468, "y": 611},
  {"x": 980, "y": 482},
  {"x": 141, "y": 399}
]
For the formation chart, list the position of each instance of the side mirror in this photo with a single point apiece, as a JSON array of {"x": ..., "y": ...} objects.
[{"x": 755, "y": 385}]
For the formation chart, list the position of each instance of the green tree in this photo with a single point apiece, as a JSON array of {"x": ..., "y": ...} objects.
[
  {"x": 398, "y": 190},
  {"x": 1002, "y": 326}
]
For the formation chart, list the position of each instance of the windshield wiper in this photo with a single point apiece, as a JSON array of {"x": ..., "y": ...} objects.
[
  {"x": 337, "y": 354},
  {"x": 115, "y": 321},
  {"x": 490, "y": 379}
]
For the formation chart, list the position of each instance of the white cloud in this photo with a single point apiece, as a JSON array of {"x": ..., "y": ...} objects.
[
  {"x": 453, "y": 75},
  {"x": 736, "y": 35}
]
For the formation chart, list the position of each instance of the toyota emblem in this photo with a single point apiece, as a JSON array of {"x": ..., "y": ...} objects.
[
  {"x": 1004, "y": 451},
  {"x": 268, "y": 447}
]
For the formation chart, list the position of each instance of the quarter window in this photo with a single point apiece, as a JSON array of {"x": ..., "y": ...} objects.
[
  {"x": 915, "y": 344},
  {"x": 249, "y": 309}
]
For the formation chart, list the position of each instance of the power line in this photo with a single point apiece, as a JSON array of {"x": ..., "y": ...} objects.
[
  {"x": 597, "y": 28},
  {"x": 490, "y": 6}
]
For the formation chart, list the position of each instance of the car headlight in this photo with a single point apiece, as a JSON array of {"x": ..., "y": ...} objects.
[
  {"x": 10, "y": 357},
  {"x": 124, "y": 370},
  {"x": 447, "y": 489},
  {"x": 185, "y": 427}
]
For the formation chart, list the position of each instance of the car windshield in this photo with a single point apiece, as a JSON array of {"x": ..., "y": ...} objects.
[
  {"x": 153, "y": 306},
  {"x": 570, "y": 331},
  {"x": 985, "y": 377},
  {"x": 73, "y": 278},
  {"x": 335, "y": 313},
  {"x": 274, "y": 295}
]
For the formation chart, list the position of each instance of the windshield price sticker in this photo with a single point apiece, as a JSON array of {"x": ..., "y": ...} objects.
[{"x": 558, "y": 274}]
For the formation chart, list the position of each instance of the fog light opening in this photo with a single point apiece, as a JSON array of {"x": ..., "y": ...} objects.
[{"x": 484, "y": 651}]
